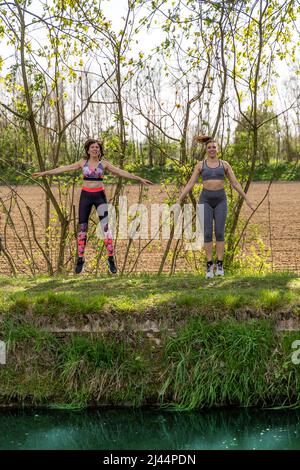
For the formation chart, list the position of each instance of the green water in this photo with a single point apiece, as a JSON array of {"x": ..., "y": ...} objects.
[{"x": 149, "y": 429}]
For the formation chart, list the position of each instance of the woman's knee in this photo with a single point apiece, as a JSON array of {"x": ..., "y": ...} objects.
[
  {"x": 208, "y": 237},
  {"x": 220, "y": 236}
]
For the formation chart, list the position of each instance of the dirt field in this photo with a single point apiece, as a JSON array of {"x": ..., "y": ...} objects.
[{"x": 278, "y": 219}]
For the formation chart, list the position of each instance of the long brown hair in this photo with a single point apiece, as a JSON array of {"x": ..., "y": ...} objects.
[{"x": 87, "y": 145}]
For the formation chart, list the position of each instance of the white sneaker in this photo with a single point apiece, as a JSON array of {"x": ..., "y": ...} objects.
[
  {"x": 210, "y": 272},
  {"x": 219, "y": 270}
]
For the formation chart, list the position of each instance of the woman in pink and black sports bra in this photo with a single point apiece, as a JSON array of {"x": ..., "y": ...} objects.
[{"x": 93, "y": 194}]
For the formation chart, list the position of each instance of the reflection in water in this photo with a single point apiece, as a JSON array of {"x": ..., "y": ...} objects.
[{"x": 149, "y": 429}]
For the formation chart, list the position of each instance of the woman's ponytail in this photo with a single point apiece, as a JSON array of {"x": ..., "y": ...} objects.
[{"x": 203, "y": 139}]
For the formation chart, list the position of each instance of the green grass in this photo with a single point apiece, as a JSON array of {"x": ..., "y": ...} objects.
[
  {"x": 230, "y": 363},
  {"x": 284, "y": 171},
  {"x": 77, "y": 300},
  {"x": 16, "y": 333},
  {"x": 182, "y": 341}
]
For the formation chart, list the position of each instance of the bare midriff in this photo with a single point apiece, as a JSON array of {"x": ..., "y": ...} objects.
[
  {"x": 93, "y": 184},
  {"x": 213, "y": 185}
]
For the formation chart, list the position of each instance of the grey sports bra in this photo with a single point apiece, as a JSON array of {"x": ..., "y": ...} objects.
[{"x": 209, "y": 173}]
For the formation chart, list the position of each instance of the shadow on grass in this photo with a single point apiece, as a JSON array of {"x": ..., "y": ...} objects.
[
  {"x": 156, "y": 294},
  {"x": 120, "y": 285}
]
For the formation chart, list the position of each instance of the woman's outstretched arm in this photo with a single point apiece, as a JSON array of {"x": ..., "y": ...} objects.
[
  {"x": 60, "y": 169},
  {"x": 124, "y": 174}
]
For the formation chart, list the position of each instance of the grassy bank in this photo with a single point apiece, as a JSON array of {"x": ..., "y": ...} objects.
[{"x": 176, "y": 341}]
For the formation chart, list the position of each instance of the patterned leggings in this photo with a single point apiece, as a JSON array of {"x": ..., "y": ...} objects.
[{"x": 90, "y": 197}]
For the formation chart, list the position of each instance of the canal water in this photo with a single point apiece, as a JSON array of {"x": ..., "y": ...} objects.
[{"x": 119, "y": 429}]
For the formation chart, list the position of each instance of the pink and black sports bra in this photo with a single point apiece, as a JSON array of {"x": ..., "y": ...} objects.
[{"x": 93, "y": 175}]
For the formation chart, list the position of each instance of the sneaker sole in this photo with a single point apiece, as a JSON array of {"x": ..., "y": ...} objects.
[{"x": 112, "y": 274}]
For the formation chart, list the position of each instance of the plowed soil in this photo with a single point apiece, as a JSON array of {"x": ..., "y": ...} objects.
[{"x": 277, "y": 219}]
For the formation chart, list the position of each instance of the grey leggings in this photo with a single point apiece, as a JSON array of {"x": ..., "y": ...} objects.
[{"x": 215, "y": 207}]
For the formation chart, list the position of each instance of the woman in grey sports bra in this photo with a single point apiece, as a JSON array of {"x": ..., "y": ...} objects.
[{"x": 213, "y": 197}]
